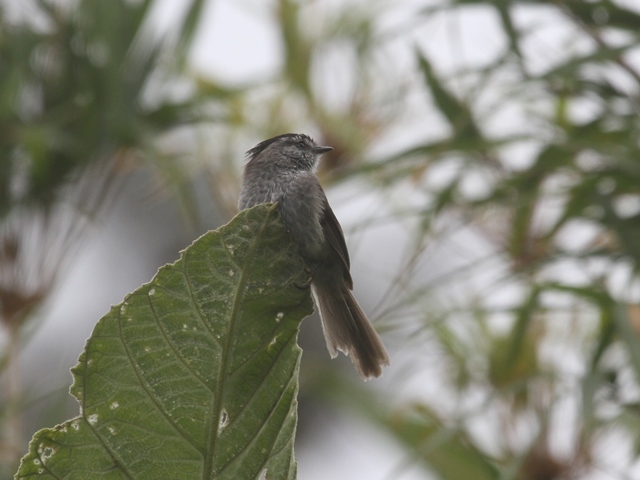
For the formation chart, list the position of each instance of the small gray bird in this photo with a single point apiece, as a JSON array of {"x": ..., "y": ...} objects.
[{"x": 282, "y": 169}]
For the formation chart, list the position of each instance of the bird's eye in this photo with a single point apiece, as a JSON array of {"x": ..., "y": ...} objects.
[{"x": 301, "y": 144}]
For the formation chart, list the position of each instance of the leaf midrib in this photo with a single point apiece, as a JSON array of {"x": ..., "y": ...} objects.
[{"x": 208, "y": 470}]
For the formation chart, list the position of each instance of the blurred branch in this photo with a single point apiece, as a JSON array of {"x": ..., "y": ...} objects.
[{"x": 579, "y": 12}]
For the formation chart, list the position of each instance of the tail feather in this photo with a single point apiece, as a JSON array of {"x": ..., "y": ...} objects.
[{"x": 348, "y": 330}]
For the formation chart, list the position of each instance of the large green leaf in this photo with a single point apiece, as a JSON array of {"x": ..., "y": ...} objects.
[{"x": 195, "y": 374}]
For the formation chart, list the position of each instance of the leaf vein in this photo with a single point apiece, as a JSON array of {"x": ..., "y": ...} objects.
[
  {"x": 257, "y": 433},
  {"x": 176, "y": 352},
  {"x": 145, "y": 386}
]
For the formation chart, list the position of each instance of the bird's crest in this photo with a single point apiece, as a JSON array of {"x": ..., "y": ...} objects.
[{"x": 259, "y": 148}]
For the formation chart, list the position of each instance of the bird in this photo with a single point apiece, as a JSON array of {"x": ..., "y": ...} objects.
[{"x": 281, "y": 170}]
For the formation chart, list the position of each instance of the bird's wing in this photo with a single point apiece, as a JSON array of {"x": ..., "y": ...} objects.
[{"x": 333, "y": 233}]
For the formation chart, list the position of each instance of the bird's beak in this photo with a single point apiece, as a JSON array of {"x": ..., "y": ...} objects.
[{"x": 321, "y": 149}]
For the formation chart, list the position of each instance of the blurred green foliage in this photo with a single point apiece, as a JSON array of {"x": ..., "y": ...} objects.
[
  {"x": 564, "y": 225},
  {"x": 546, "y": 172},
  {"x": 80, "y": 84},
  {"x": 84, "y": 96}
]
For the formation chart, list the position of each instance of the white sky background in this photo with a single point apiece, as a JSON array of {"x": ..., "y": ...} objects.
[{"x": 236, "y": 43}]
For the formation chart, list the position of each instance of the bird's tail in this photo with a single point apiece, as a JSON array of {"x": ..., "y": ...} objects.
[{"x": 347, "y": 329}]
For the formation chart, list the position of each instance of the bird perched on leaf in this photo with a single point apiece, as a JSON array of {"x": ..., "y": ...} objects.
[{"x": 282, "y": 169}]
